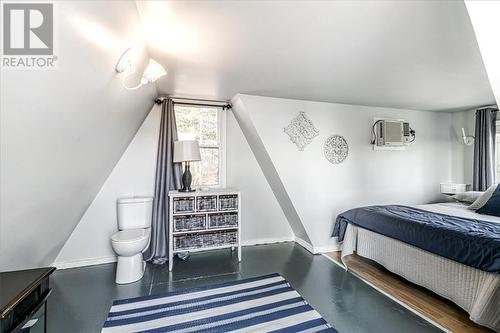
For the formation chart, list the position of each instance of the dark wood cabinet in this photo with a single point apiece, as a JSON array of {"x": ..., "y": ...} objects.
[{"x": 23, "y": 297}]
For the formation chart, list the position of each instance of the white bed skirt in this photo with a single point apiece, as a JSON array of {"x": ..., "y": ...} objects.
[{"x": 475, "y": 291}]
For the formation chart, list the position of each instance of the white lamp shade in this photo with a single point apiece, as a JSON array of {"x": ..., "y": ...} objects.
[
  {"x": 186, "y": 150},
  {"x": 153, "y": 72}
]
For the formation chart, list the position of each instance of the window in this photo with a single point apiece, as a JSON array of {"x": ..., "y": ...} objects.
[{"x": 205, "y": 124}]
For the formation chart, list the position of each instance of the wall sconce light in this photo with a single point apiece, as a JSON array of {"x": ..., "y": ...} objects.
[
  {"x": 468, "y": 139},
  {"x": 126, "y": 64}
]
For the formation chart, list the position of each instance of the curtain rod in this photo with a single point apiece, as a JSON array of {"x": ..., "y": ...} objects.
[{"x": 195, "y": 101}]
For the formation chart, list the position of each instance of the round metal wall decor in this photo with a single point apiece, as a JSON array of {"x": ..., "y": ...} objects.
[{"x": 336, "y": 149}]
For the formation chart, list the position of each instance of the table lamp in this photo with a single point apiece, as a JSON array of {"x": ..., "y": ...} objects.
[{"x": 186, "y": 151}]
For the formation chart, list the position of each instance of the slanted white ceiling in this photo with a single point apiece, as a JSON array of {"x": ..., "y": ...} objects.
[
  {"x": 63, "y": 130},
  {"x": 408, "y": 54},
  {"x": 484, "y": 16}
]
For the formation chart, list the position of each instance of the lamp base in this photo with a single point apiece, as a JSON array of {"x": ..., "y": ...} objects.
[
  {"x": 187, "y": 190},
  {"x": 186, "y": 179}
]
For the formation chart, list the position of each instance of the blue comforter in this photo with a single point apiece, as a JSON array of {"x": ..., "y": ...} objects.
[{"x": 471, "y": 242}]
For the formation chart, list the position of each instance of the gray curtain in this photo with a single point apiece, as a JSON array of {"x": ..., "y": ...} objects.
[
  {"x": 484, "y": 149},
  {"x": 168, "y": 177}
]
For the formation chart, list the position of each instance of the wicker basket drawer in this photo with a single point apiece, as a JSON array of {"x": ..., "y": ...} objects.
[
  {"x": 189, "y": 222},
  {"x": 205, "y": 240},
  {"x": 223, "y": 220},
  {"x": 228, "y": 202},
  {"x": 207, "y": 203},
  {"x": 183, "y": 205}
]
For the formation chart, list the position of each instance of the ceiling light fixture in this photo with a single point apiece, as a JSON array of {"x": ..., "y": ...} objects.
[{"x": 126, "y": 64}]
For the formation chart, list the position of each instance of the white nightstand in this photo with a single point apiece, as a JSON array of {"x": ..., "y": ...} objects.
[{"x": 453, "y": 188}]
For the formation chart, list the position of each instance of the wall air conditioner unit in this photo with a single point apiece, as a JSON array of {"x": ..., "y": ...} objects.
[{"x": 392, "y": 133}]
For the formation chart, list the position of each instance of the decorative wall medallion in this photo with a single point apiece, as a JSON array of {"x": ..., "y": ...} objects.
[
  {"x": 301, "y": 131},
  {"x": 336, "y": 149}
]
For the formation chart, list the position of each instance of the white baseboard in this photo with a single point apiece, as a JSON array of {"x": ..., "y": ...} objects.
[
  {"x": 84, "y": 262},
  {"x": 325, "y": 249},
  {"x": 261, "y": 241},
  {"x": 106, "y": 260},
  {"x": 304, "y": 244},
  {"x": 316, "y": 249}
]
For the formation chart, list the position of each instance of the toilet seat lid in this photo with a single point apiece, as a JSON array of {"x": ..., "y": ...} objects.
[{"x": 129, "y": 235}]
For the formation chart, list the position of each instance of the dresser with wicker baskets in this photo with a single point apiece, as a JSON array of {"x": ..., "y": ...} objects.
[{"x": 203, "y": 221}]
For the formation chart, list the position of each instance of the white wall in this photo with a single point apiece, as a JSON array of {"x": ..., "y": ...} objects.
[
  {"x": 262, "y": 219},
  {"x": 317, "y": 190},
  {"x": 268, "y": 169},
  {"x": 133, "y": 175},
  {"x": 320, "y": 190},
  {"x": 63, "y": 130},
  {"x": 463, "y": 156}
]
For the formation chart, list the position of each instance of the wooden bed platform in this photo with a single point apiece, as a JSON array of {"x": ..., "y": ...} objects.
[{"x": 424, "y": 302}]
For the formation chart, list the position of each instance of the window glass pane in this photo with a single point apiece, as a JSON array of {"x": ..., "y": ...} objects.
[
  {"x": 201, "y": 123},
  {"x": 187, "y": 119},
  {"x": 197, "y": 123},
  {"x": 206, "y": 171},
  {"x": 208, "y": 124}
]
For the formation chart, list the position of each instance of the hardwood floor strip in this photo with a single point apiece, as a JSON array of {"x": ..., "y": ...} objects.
[{"x": 424, "y": 302}]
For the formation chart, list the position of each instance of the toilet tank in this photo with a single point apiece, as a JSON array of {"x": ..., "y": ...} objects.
[{"x": 134, "y": 213}]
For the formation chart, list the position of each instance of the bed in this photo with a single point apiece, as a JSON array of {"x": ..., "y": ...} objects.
[{"x": 460, "y": 264}]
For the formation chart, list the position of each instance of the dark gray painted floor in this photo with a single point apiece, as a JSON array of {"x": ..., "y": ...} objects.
[{"x": 82, "y": 296}]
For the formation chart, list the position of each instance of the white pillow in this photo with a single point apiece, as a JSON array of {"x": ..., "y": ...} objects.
[
  {"x": 469, "y": 196},
  {"x": 483, "y": 199}
]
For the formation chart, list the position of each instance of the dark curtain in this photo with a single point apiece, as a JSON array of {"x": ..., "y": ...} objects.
[
  {"x": 484, "y": 149},
  {"x": 168, "y": 177}
]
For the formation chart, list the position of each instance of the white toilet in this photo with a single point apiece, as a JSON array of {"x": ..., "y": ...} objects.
[{"x": 134, "y": 222}]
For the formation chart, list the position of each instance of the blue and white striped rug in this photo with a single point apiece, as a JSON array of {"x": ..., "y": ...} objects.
[{"x": 261, "y": 304}]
